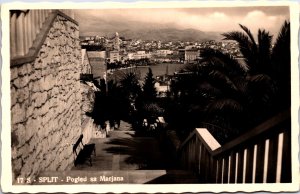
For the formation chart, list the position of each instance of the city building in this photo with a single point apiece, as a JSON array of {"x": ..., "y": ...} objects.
[
  {"x": 97, "y": 62},
  {"x": 139, "y": 55},
  {"x": 163, "y": 52},
  {"x": 191, "y": 55},
  {"x": 114, "y": 56}
]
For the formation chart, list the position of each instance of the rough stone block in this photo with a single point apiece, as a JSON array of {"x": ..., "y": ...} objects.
[
  {"x": 47, "y": 82},
  {"x": 27, "y": 170},
  {"x": 37, "y": 64},
  {"x": 44, "y": 109},
  {"x": 23, "y": 70},
  {"x": 22, "y": 95},
  {"x": 20, "y": 134},
  {"x": 18, "y": 113},
  {"x": 29, "y": 111},
  {"x": 23, "y": 152},
  {"x": 40, "y": 99},
  {"x": 32, "y": 145},
  {"x": 17, "y": 164},
  {"x": 13, "y": 73},
  {"x": 13, "y": 97},
  {"x": 31, "y": 128}
]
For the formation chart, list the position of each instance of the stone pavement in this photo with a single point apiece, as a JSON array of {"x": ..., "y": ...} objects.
[
  {"x": 135, "y": 159},
  {"x": 123, "y": 151}
]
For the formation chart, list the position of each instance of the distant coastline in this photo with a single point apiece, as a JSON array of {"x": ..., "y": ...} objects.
[{"x": 157, "y": 70}]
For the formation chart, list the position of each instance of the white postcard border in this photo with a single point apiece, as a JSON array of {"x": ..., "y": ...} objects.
[{"x": 6, "y": 175}]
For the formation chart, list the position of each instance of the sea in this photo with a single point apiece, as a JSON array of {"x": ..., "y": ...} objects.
[
  {"x": 141, "y": 71},
  {"x": 157, "y": 70}
]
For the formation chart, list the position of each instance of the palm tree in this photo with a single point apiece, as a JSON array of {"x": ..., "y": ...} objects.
[
  {"x": 238, "y": 96},
  {"x": 130, "y": 90},
  {"x": 130, "y": 84},
  {"x": 257, "y": 55},
  {"x": 263, "y": 84},
  {"x": 269, "y": 68},
  {"x": 225, "y": 88},
  {"x": 281, "y": 66}
]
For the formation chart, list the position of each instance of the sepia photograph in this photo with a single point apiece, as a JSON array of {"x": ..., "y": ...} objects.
[{"x": 150, "y": 98}]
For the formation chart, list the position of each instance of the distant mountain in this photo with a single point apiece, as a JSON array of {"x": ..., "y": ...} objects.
[
  {"x": 170, "y": 34},
  {"x": 146, "y": 31}
]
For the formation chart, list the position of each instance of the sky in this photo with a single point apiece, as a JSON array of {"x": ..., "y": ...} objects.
[{"x": 204, "y": 19}]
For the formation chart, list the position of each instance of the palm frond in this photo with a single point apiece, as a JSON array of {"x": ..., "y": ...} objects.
[
  {"x": 221, "y": 80},
  {"x": 247, "y": 48},
  {"x": 223, "y": 61},
  {"x": 283, "y": 37},
  {"x": 248, "y": 32},
  {"x": 261, "y": 89},
  {"x": 242, "y": 84},
  {"x": 264, "y": 52},
  {"x": 190, "y": 68},
  {"x": 281, "y": 57},
  {"x": 224, "y": 104}
]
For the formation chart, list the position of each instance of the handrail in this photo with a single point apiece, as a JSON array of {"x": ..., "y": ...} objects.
[
  {"x": 269, "y": 124},
  {"x": 260, "y": 155},
  {"x": 28, "y": 31}
]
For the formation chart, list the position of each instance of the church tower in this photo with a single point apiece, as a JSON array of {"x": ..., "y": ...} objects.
[{"x": 117, "y": 42}]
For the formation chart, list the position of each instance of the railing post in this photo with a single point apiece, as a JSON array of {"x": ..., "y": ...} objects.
[
  {"x": 260, "y": 161},
  {"x": 72, "y": 14},
  {"x": 36, "y": 21},
  {"x": 40, "y": 18},
  {"x": 26, "y": 32},
  {"x": 29, "y": 33},
  {"x": 214, "y": 171},
  {"x": 254, "y": 163},
  {"x": 279, "y": 158},
  {"x": 32, "y": 26},
  {"x": 20, "y": 34},
  {"x": 219, "y": 171},
  {"x": 44, "y": 15},
  {"x": 225, "y": 172},
  {"x": 232, "y": 167},
  {"x": 286, "y": 158},
  {"x": 240, "y": 166},
  {"x": 249, "y": 165},
  {"x": 13, "y": 35},
  {"x": 272, "y": 159}
]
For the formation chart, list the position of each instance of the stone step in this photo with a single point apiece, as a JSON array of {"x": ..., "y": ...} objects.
[
  {"x": 121, "y": 134},
  {"x": 117, "y": 177}
]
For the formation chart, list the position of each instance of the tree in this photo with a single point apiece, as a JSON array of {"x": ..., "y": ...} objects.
[
  {"x": 130, "y": 90},
  {"x": 130, "y": 85},
  {"x": 269, "y": 68},
  {"x": 149, "y": 90},
  {"x": 233, "y": 95},
  {"x": 256, "y": 55},
  {"x": 281, "y": 66}
]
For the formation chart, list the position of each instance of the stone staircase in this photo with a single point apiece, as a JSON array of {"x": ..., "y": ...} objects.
[{"x": 124, "y": 156}]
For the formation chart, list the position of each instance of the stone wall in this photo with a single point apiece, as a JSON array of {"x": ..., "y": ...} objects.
[
  {"x": 87, "y": 100},
  {"x": 89, "y": 128},
  {"x": 85, "y": 64},
  {"x": 46, "y": 103}
]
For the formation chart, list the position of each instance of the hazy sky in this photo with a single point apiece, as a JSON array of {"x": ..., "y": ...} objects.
[{"x": 204, "y": 19}]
